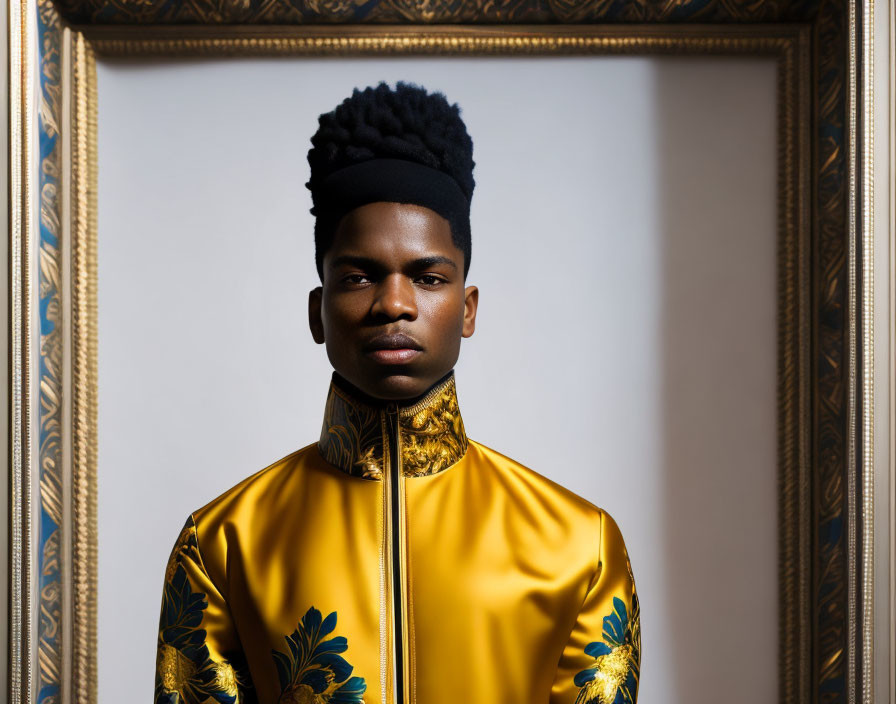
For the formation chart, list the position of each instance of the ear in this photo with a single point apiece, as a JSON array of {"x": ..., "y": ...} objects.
[
  {"x": 315, "y": 321},
  {"x": 471, "y": 303}
]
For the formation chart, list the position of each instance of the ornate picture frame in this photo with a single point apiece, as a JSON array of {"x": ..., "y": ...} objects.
[{"x": 825, "y": 375}]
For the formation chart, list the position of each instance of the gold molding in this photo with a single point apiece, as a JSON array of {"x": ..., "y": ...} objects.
[
  {"x": 84, "y": 371},
  {"x": 851, "y": 361},
  {"x": 825, "y": 412},
  {"x": 866, "y": 320},
  {"x": 860, "y": 362},
  {"x": 302, "y": 12},
  {"x": 789, "y": 45},
  {"x": 793, "y": 383},
  {"x": 50, "y": 432},
  {"x": 213, "y": 42},
  {"x": 21, "y": 19}
]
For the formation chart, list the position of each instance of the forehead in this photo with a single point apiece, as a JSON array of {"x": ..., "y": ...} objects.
[{"x": 392, "y": 232}]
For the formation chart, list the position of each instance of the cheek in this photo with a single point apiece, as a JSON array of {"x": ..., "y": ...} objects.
[
  {"x": 448, "y": 316},
  {"x": 341, "y": 311}
]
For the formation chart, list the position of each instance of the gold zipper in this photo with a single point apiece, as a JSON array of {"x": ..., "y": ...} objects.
[{"x": 397, "y": 557}]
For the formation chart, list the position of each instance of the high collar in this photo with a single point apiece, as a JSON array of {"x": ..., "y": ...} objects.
[{"x": 356, "y": 438}]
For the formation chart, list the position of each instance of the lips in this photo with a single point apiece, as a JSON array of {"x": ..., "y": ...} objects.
[
  {"x": 394, "y": 348},
  {"x": 393, "y": 341}
]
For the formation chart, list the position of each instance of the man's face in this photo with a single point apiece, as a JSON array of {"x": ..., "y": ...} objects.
[{"x": 393, "y": 307}]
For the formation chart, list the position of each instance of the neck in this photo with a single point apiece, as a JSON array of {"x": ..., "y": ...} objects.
[
  {"x": 431, "y": 436},
  {"x": 343, "y": 384}
]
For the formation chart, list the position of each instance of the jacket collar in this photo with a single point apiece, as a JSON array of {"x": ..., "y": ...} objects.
[{"x": 355, "y": 436}]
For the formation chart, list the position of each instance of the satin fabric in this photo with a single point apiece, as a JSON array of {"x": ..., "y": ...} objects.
[{"x": 513, "y": 589}]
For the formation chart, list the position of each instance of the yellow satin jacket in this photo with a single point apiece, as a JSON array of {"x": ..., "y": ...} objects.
[{"x": 397, "y": 561}]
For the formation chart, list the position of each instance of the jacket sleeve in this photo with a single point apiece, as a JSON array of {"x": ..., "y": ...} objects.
[
  {"x": 199, "y": 658},
  {"x": 601, "y": 661}
]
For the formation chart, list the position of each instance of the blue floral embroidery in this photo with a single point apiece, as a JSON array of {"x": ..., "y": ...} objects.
[
  {"x": 613, "y": 677},
  {"x": 185, "y": 670},
  {"x": 312, "y": 671}
]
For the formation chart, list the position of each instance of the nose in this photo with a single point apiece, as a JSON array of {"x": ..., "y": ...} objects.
[{"x": 395, "y": 298}]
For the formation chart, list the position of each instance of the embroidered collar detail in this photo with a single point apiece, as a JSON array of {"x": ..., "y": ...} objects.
[{"x": 431, "y": 435}]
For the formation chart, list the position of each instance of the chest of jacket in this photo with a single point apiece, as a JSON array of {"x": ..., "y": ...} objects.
[
  {"x": 438, "y": 584},
  {"x": 396, "y": 561}
]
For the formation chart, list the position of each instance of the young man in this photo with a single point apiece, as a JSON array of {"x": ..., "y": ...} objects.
[{"x": 396, "y": 560}]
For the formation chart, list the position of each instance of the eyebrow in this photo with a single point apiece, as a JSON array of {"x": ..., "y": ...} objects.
[{"x": 372, "y": 264}]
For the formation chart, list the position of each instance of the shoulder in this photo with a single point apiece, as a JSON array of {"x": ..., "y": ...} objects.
[
  {"x": 254, "y": 490},
  {"x": 525, "y": 483},
  {"x": 568, "y": 524}
]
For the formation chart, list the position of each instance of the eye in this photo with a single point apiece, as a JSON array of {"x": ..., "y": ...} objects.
[
  {"x": 355, "y": 279},
  {"x": 430, "y": 280}
]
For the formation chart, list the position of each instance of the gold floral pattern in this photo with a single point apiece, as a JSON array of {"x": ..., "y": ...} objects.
[
  {"x": 432, "y": 436},
  {"x": 311, "y": 669},
  {"x": 186, "y": 672},
  {"x": 431, "y": 432},
  {"x": 352, "y": 436},
  {"x": 613, "y": 675},
  {"x": 370, "y": 466},
  {"x": 182, "y": 547}
]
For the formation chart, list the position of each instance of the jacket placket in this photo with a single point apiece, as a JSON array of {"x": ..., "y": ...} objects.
[{"x": 394, "y": 512}]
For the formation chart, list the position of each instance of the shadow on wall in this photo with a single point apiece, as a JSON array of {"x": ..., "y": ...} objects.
[{"x": 718, "y": 368}]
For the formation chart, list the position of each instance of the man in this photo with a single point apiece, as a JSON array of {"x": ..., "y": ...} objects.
[{"x": 396, "y": 560}]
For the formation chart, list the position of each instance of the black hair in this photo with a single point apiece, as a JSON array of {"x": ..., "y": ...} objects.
[{"x": 406, "y": 123}]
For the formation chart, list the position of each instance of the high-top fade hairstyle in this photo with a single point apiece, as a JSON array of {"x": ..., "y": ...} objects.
[{"x": 405, "y": 145}]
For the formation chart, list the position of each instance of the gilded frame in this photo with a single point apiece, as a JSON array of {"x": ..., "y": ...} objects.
[{"x": 825, "y": 278}]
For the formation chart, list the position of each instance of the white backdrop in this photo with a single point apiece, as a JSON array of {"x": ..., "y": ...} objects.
[{"x": 624, "y": 246}]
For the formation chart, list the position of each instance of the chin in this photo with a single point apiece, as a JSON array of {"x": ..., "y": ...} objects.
[{"x": 396, "y": 387}]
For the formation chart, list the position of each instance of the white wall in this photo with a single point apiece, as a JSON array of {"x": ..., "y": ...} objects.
[{"x": 624, "y": 245}]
